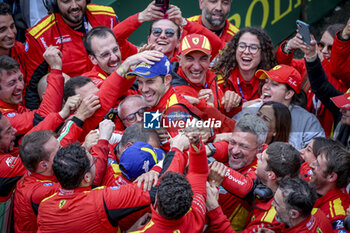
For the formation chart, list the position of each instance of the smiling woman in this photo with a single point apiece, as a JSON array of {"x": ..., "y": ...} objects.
[{"x": 249, "y": 50}]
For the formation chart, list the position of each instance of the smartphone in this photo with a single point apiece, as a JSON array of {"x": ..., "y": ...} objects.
[
  {"x": 164, "y": 4},
  {"x": 304, "y": 30}
]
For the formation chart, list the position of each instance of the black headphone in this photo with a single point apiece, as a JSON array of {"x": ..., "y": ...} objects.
[{"x": 51, "y": 5}]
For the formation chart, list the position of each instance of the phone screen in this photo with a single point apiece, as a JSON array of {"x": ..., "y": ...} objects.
[{"x": 304, "y": 31}]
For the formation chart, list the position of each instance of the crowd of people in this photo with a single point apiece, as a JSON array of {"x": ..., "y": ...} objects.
[{"x": 204, "y": 128}]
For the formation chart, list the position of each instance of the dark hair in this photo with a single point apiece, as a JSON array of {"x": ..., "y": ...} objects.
[
  {"x": 298, "y": 195},
  {"x": 283, "y": 118},
  {"x": 70, "y": 165},
  {"x": 299, "y": 99},
  {"x": 178, "y": 29},
  {"x": 174, "y": 196},
  {"x": 283, "y": 159},
  {"x": 32, "y": 149},
  {"x": 320, "y": 142},
  {"x": 338, "y": 161},
  {"x": 72, "y": 84},
  {"x": 333, "y": 29},
  {"x": 5, "y": 9},
  {"x": 136, "y": 133},
  {"x": 99, "y": 32},
  {"x": 8, "y": 64},
  {"x": 227, "y": 61}
]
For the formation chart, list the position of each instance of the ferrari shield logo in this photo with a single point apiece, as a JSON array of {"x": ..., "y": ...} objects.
[
  {"x": 62, "y": 202},
  {"x": 195, "y": 40}
]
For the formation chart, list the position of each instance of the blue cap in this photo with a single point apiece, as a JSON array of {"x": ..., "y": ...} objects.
[
  {"x": 139, "y": 158},
  {"x": 162, "y": 67}
]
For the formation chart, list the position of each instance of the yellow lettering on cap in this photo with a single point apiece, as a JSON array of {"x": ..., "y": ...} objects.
[
  {"x": 276, "y": 67},
  {"x": 195, "y": 40}
]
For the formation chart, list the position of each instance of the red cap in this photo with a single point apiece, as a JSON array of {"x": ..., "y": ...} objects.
[
  {"x": 282, "y": 74},
  {"x": 342, "y": 101},
  {"x": 195, "y": 42}
]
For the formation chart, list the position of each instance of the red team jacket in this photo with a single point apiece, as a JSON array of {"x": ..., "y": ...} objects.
[
  {"x": 247, "y": 90},
  {"x": 334, "y": 205},
  {"x": 193, "y": 220},
  {"x": 23, "y": 119},
  {"x": 340, "y": 60},
  {"x": 52, "y": 30}
]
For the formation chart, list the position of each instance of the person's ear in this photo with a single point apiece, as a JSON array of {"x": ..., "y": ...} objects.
[
  {"x": 167, "y": 79},
  {"x": 293, "y": 214},
  {"x": 87, "y": 177},
  {"x": 200, "y": 4},
  {"x": 43, "y": 165},
  {"x": 332, "y": 178},
  {"x": 93, "y": 59},
  {"x": 289, "y": 94}
]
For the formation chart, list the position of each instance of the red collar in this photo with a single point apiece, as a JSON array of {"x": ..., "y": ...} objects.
[
  {"x": 42, "y": 177},
  {"x": 65, "y": 192},
  {"x": 165, "y": 223}
]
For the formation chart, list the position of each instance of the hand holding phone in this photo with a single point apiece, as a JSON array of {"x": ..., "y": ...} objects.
[
  {"x": 164, "y": 4},
  {"x": 304, "y": 31}
]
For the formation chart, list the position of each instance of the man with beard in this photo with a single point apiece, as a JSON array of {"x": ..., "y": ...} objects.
[
  {"x": 214, "y": 14},
  {"x": 330, "y": 174},
  {"x": 278, "y": 161},
  {"x": 246, "y": 141},
  {"x": 68, "y": 23},
  {"x": 293, "y": 202}
]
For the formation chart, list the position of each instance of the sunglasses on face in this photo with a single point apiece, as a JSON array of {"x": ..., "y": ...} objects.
[
  {"x": 321, "y": 45},
  {"x": 169, "y": 32}
]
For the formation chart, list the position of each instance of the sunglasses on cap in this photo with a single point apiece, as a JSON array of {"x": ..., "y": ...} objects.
[{"x": 169, "y": 32}]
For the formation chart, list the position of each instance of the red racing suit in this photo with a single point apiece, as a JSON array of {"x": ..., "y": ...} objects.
[
  {"x": 340, "y": 59},
  {"x": 23, "y": 119},
  {"x": 227, "y": 33},
  {"x": 52, "y": 30},
  {"x": 97, "y": 75},
  {"x": 334, "y": 205},
  {"x": 247, "y": 90},
  {"x": 306, "y": 171},
  {"x": 85, "y": 210},
  {"x": 313, "y": 104},
  {"x": 194, "y": 219},
  {"x": 233, "y": 204},
  {"x": 315, "y": 223},
  {"x": 30, "y": 191},
  {"x": 210, "y": 83}
]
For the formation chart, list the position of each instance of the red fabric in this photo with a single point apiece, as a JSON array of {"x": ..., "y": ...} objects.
[
  {"x": 227, "y": 124},
  {"x": 228, "y": 32},
  {"x": 314, "y": 223},
  {"x": 221, "y": 154},
  {"x": 340, "y": 60},
  {"x": 238, "y": 184},
  {"x": 49, "y": 31},
  {"x": 250, "y": 89},
  {"x": 100, "y": 152},
  {"x": 263, "y": 216},
  {"x": 17, "y": 52},
  {"x": 84, "y": 210},
  {"x": 306, "y": 171},
  {"x": 112, "y": 89},
  {"x": 97, "y": 75},
  {"x": 323, "y": 115},
  {"x": 334, "y": 205},
  {"x": 218, "y": 222},
  {"x": 193, "y": 220},
  {"x": 70, "y": 133},
  {"x": 31, "y": 190},
  {"x": 11, "y": 170},
  {"x": 22, "y": 118}
]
